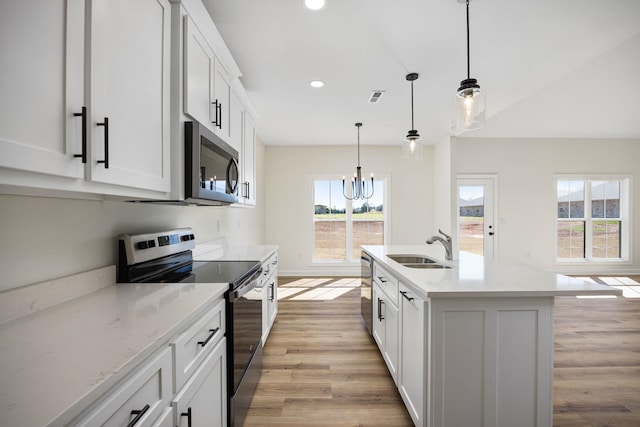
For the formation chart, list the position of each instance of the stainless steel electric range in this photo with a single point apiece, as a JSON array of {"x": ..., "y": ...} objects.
[{"x": 166, "y": 257}]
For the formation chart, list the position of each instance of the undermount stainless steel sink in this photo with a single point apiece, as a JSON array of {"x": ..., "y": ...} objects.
[{"x": 417, "y": 261}]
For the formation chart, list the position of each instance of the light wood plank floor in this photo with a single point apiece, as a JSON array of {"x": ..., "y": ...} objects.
[{"x": 321, "y": 368}]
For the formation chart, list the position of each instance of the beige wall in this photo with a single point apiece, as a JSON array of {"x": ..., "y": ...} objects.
[
  {"x": 47, "y": 238},
  {"x": 289, "y": 193},
  {"x": 526, "y": 169}
]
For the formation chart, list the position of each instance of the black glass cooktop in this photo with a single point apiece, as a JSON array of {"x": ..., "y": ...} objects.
[{"x": 231, "y": 272}]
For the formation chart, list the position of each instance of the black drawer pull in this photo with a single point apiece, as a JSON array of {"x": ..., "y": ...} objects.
[
  {"x": 273, "y": 291},
  {"x": 188, "y": 415},
  {"x": 83, "y": 114},
  {"x": 382, "y": 279},
  {"x": 106, "y": 142},
  {"x": 404, "y": 294},
  {"x": 139, "y": 414},
  {"x": 213, "y": 332}
]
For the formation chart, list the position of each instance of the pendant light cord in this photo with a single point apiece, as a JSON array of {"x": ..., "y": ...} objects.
[
  {"x": 468, "y": 56},
  {"x": 358, "y": 145},
  {"x": 412, "y": 127}
]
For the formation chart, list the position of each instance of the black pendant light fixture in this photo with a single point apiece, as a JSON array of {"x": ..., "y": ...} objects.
[
  {"x": 412, "y": 146},
  {"x": 359, "y": 189},
  {"x": 469, "y": 102}
]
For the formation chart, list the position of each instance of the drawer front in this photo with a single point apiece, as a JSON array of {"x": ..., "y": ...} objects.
[
  {"x": 387, "y": 282},
  {"x": 191, "y": 347},
  {"x": 203, "y": 399},
  {"x": 145, "y": 395}
]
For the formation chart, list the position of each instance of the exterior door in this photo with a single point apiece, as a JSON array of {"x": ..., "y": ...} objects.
[{"x": 476, "y": 222}]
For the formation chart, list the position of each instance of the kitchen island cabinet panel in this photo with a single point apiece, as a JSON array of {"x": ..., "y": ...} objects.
[{"x": 492, "y": 359}]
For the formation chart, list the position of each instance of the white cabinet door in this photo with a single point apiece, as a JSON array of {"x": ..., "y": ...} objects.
[
  {"x": 203, "y": 399},
  {"x": 199, "y": 63},
  {"x": 42, "y": 86},
  {"x": 385, "y": 329},
  {"x": 412, "y": 377},
  {"x": 248, "y": 162},
  {"x": 236, "y": 119},
  {"x": 222, "y": 98},
  {"x": 129, "y": 95}
]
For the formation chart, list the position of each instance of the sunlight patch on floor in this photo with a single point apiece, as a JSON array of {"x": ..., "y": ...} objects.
[
  {"x": 316, "y": 289},
  {"x": 630, "y": 288}
]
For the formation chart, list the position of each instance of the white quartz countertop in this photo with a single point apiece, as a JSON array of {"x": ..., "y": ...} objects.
[
  {"x": 473, "y": 276},
  {"x": 55, "y": 362},
  {"x": 214, "y": 252}
]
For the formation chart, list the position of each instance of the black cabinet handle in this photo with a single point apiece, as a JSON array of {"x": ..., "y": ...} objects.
[
  {"x": 217, "y": 110},
  {"x": 382, "y": 279},
  {"x": 83, "y": 114},
  {"x": 139, "y": 414},
  {"x": 213, "y": 332},
  {"x": 188, "y": 415},
  {"x": 219, "y": 124},
  {"x": 106, "y": 142},
  {"x": 380, "y": 316},
  {"x": 273, "y": 291},
  {"x": 404, "y": 294}
]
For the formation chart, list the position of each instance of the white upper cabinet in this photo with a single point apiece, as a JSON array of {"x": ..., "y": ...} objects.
[
  {"x": 42, "y": 86},
  {"x": 85, "y": 96},
  {"x": 199, "y": 62},
  {"x": 222, "y": 94},
  {"x": 248, "y": 162},
  {"x": 129, "y": 96},
  {"x": 207, "y": 91}
]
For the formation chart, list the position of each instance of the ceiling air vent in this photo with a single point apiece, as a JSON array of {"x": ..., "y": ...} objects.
[{"x": 376, "y": 95}]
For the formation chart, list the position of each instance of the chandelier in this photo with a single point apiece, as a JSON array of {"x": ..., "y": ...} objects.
[{"x": 359, "y": 190}]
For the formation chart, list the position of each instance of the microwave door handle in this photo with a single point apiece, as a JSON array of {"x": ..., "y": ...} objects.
[{"x": 232, "y": 186}]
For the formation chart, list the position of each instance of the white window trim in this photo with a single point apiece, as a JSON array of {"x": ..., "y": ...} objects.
[
  {"x": 626, "y": 215},
  {"x": 386, "y": 185}
]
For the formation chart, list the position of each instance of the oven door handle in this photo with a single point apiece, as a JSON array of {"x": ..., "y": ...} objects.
[{"x": 248, "y": 285}]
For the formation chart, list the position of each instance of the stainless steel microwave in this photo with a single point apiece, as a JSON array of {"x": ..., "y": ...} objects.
[{"x": 211, "y": 167}]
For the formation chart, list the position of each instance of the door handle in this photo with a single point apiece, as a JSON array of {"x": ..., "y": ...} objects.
[{"x": 106, "y": 142}]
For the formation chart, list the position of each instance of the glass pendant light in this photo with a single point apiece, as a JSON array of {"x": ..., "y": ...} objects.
[
  {"x": 412, "y": 145},
  {"x": 469, "y": 102}
]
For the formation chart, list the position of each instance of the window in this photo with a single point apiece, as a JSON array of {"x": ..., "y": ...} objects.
[
  {"x": 341, "y": 226},
  {"x": 592, "y": 220}
]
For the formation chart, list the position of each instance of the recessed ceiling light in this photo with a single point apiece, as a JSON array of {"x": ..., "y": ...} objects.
[
  {"x": 314, "y": 4},
  {"x": 317, "y": 83}
]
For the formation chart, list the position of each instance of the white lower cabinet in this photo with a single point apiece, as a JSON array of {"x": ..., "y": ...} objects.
[
  {"x": 142, "y": 398},
  {"x": 202, "y": 401},
  {"x": 184, "y": 384},
  {"x": 269, "y": 295},
  {"x": 385, "y": 328},
  {"x": 412, "y": 378}
]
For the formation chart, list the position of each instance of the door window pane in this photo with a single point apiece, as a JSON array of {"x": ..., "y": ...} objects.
[{"x": 471, "y": 218}]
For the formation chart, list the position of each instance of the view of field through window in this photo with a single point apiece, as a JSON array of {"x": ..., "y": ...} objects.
[
  {"x": 340, "y": 223},
  {"x": 588, "y": 211}
]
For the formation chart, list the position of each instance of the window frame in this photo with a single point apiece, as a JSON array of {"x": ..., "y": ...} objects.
[
  {"x": 626, "y": 232},
  {"x": 349, "y": 220}
]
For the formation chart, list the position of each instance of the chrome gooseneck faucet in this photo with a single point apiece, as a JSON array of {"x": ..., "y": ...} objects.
[{"x": 446, "y": 243}]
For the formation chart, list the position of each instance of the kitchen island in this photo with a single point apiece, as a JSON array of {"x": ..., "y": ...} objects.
[{"x": 470, "y": 343}]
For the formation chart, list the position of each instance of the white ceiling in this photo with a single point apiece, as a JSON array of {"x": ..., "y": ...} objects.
[{"x": 550, "y": 68}]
